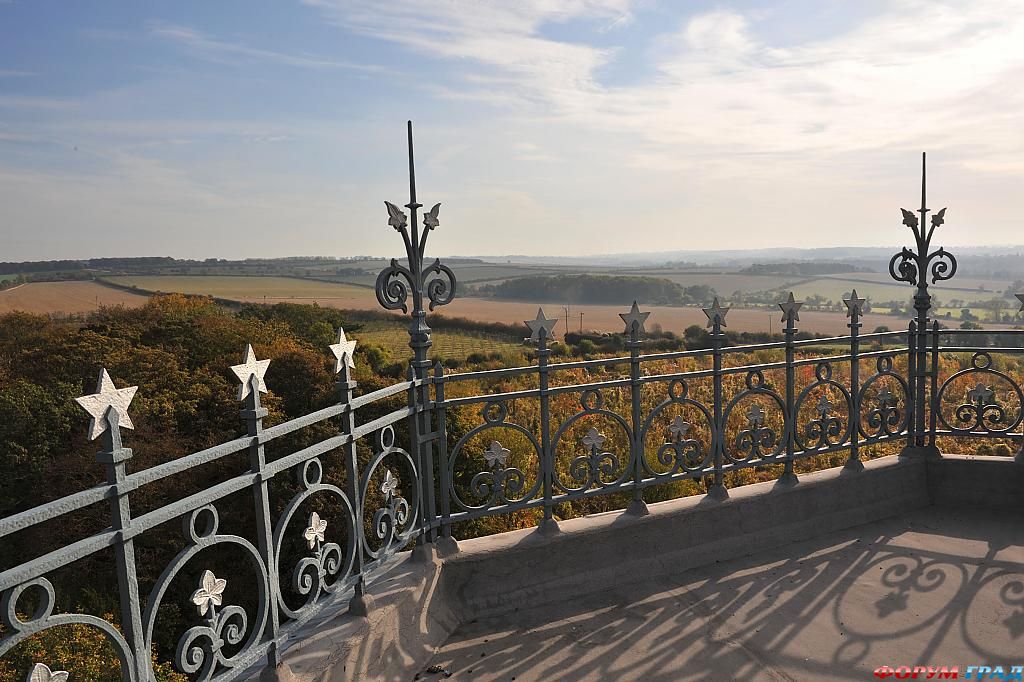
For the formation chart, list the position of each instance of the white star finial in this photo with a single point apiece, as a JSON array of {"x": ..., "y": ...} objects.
[
  {"x": 250, "y": 366},
  {"x": 634, "y": 318},
  {"x": 716, "y": 312},
  {"x": 107, "y": 395},
  {"x": 541, "y": 324},
  {"x": 790, "y": 308},
  {"x": 344, "y": 351},
  {"x": 854, "y": 304}
]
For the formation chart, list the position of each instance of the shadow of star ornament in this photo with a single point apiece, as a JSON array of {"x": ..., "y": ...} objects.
[
  {"x": 790, "y": 308},
  {"x": 541, "y": 324},
  {"x": 716, "y": 313},
  {"x": 855, "y": 304},
  {"x": 250, "y": 366},
  {"x": 634, "y": 319},
  {"x": 107, "y": 396},
  {"x": 344, "y": 352}
]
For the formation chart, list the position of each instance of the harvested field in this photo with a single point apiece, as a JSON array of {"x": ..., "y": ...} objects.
[
  {"x": 677, "y": 319},
  {"x": 64, "y": 297}
]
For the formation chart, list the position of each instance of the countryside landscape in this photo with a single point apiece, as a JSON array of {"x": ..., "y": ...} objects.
[{"x": 511, "y": 341}]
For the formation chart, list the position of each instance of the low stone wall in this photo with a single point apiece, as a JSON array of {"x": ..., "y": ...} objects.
[
  {"x": 993, "y": 483},
  {"x": 417, "y": 605},
  {"x": 498, "y": 573}
]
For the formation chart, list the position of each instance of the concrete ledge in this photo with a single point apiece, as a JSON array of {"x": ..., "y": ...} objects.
[
  {"x": 992, "y": 483},
  {"x": 497, "y": 574},
  {"x": 416, "y": 606}
]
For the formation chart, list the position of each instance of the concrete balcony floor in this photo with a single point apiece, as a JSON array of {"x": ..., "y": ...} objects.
[{"x": 932, "y": 586}]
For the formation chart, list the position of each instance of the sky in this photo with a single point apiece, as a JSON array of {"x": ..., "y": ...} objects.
[{"x": 237, "y": 129}]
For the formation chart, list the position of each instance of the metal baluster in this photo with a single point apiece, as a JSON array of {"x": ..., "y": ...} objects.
[
  {"x": 854, "y": 306},
  {"x": 541, "y": 329},
  {"x": 790, "y": 317},
  {"x": 635, "y": 320},
  {"x": 446, "y": 544},
  {"x": 253, "y": 415},
  {"x": 114, "y": 456},
  {"x": 361, "y": 603},
  {"x": 934, "y": 406},
  {"x": 716, "y": 320},
  {"x": 423, "y": 551},
  {"x": 108, "y": 408},
  {"x": 912, "y": 387}
]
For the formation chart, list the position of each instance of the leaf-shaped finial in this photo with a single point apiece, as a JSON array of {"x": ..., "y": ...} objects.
[
  {"x": 430, "y": 220},
  {"x": 396, "y": 218}
]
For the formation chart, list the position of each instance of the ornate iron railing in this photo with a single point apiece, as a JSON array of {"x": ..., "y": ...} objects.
[{"x": 544, "y": 435}]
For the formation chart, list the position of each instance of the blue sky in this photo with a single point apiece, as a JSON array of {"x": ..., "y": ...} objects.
[{"x": 241, "y": 129}]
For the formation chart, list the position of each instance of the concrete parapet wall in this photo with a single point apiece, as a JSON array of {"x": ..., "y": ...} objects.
[
  {"x": 416, "y": 606},
  {"x": 499, "y": 573},
  {"x": 994, "y": 483}
]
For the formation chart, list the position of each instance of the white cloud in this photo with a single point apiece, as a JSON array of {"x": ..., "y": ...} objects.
[{"x": 220, "y": 49}]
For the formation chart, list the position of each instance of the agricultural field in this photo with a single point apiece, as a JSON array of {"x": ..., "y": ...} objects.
[
  {"x": 257, "y": 289},
  {"x": 64, "y": 297},
  {"x": 394, "y": 338},
  {"x": 606, "y": 318}
]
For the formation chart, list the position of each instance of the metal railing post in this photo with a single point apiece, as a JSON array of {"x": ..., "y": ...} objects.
[
  {"x": 912, "y": 388},
  {"x": 541, "y": 329},
  {"x": 854, "y": 305},
  {"x": 790, "y": 317},
  {"x": 253, "y": 414},
  {"x": 114, "y": 456},
  {"x": 916, "y": 268},
  {"x": 716, "y": 320},
  {"x": 361, "y": 603},
  {"x": 446, "y": 544},
  {"x": 634, "y": 320}
]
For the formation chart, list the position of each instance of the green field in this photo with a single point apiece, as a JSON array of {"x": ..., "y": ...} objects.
[{"x": 394, "y": 338}]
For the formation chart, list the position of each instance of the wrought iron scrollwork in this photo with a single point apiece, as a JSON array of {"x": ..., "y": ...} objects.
[
  {"x": 757, "y": 440},
  {"x": 597, "y": 466},
  {"x": 328, "y": 564},
  {"x": 19, "y": 627},
  {"x": 982, "y": 409},
  {"x": 681, "y": 451},
  {"x": 201, "y": 649},
  {"x": 884, "y": 418},
  {"x": 397, "y": 282},
  {"x": 501, "y": 483},
  {"x": 825, "y": 429},
  {"x": 394, "y": 522}
]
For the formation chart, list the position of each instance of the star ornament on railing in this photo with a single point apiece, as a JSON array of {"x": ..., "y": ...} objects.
[
  {"x": 541, "y": 326},
  {"x": 790, "y": 308},
  {"x": 634, "y": 319},
  {"x": 344, "y": 351},
  {"x": 396, "y": 282},
  {"x": 107, "y": 396},
  {"x": 716, "y": 313},
  {"x": 914, "y": 267},
  {"x": 854, "y": 305},
  {"x": 250, "y": 367}
]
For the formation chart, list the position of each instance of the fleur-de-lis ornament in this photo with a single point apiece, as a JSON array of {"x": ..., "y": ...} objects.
[
  {"x": 390, "y": 484},
  {"x": 41, "y": 673},
  {"x": 210, "y": 592},
  {"x": 679, "y": 427},
  {"x": 315, "y": 532},
  {"x": 496, "y": 454},
  {"x": 755, "y": 415},
  {"x": 594, "y": 439}
]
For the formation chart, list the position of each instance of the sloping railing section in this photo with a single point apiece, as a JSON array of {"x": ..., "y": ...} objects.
[{"x": 400, "y": 466}]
